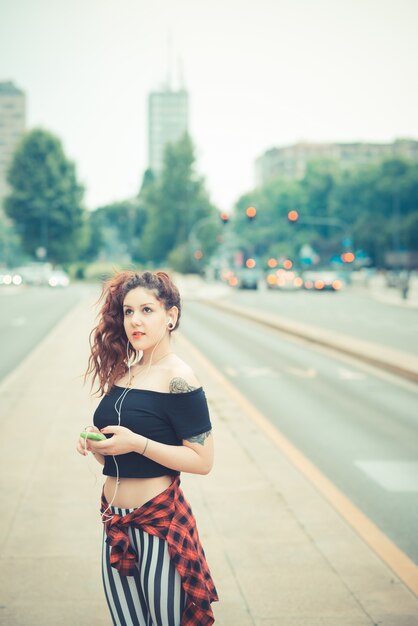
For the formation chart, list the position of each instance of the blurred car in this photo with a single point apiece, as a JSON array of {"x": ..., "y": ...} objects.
[
  {"x": 10, "y": 277},
  {"x": 42, "y": 274},
  {"x": 246, "y": 278},
  {"x": 58, "y": 278},
  {"x": 322, "y": 280},
  {"x": 35, "y": 273},
  {"x": 287, "y": 280}
]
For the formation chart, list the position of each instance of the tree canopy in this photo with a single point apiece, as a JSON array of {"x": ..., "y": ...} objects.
[
  {"x": 179, "y": 212},
  {"x": 374, "y": 208},
  {"x": 45, "y": 201}
]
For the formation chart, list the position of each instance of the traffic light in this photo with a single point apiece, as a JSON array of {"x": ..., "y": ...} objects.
[
  {"x": 293, "y": 216},
  {"x": 348, "y": 257},
  {"x": 224, "y": 218},
  {"x": 251, "y": 212}
]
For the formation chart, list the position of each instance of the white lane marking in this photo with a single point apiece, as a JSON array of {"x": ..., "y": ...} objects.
[
  {"x": 395, "y": 476},
  {"x": 18, "y": 321},
  {"x": 346, "y": 374},
  {"x": 302, "y": 373},
  {"x": 251, "y": 372},
  {"x": 258, "y": 372}
]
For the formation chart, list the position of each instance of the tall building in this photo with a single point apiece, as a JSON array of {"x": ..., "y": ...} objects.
[
  {"x": 12, "y": 127},
  {"x": 291, "y": 161},
  {"x": 168, "y": 113}
]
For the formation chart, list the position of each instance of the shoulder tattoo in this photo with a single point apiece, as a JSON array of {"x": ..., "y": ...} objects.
[
  {"x": 179, "y": 385},
  {"x": 199, "y": 438}
]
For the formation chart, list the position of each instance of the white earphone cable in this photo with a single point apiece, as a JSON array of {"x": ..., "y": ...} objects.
[{"x": 118, "y": 409}]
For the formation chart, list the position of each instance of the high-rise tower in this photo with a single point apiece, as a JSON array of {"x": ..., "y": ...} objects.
[
  {"x": 168, "y": 113},
  {"x": 12, "y": 127}
]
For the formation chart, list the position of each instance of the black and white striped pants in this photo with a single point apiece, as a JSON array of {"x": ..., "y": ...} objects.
[{"x": 154, "y": 595}]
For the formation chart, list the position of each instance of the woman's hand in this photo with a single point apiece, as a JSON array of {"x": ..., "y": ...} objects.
[
  {"x": 122, "y": 441},
  {"x": 83, "y": 445}
]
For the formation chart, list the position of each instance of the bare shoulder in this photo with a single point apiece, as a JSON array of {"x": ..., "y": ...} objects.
[{"x": 181, "y": 377}]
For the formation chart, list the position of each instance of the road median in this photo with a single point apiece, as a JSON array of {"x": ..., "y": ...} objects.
[{"x": 386, "y": 358}]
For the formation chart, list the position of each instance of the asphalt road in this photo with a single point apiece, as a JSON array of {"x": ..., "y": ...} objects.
[
  {"x": 27, "y": 314},
  {"x": 348, "y": 312},
  {"x": 358, "y": 426}
]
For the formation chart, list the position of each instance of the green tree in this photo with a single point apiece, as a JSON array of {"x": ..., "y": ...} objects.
[
  {"x": 375, "y": 205},
  {"x": 45, "y": 201},
  {"x": 177, "y": 203},
  {"x": 10, "y": 248},
  {"x": 270, "y": 234},
  {"x": 380, "y": 202},
  {"x": 115, "y": 230}
]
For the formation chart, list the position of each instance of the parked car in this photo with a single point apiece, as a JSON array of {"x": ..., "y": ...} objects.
[
  {"x": 58, "y": 278},
  {"x": 35, "y": 273},
  {"x": 288, "y": 280},
  {"x": 10, "y": 277},
  {"x": 322, "y": 280},
  {"x": 42, "y": 274}
]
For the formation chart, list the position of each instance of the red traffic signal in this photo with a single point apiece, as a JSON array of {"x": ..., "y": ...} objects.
[
  {"x": 251, "y": 212},
  {"x": 348, "y": 257},
  {"x": 293, "y": 216},
  {"x": 224, "y": 217}
]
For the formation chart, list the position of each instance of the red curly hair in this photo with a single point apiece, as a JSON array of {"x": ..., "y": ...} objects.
[{"x": 108, "y": 342}]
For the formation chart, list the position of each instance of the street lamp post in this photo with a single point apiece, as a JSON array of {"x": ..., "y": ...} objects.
[
  {"x": 193, "y": 239},
  {"x": 42, "y": 250}
]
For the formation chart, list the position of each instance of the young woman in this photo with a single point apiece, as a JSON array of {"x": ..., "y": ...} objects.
[{"x": 155, "y": 418}]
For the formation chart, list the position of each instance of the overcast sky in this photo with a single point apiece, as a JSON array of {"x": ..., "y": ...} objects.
[{"x": 260, "y": 73}]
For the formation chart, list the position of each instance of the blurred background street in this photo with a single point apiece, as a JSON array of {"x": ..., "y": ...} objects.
[{"x": 264, "y": 154}]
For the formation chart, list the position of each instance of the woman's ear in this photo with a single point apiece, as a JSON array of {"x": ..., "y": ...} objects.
[{"x": 173, "y": 314}]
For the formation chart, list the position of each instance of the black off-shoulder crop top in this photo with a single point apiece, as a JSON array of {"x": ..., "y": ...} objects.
[{"x": 164, "y": 417}]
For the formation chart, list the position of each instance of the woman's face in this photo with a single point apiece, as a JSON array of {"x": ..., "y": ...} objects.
[{"x": 144, "y": 318}]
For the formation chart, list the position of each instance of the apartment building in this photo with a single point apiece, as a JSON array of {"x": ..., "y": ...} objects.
[
  {"x": 12, "y": 127},
  {"x": 291, "y": 161}
]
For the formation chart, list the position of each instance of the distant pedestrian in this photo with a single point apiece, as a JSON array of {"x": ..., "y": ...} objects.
[
  {"x": 155, "y": 417},
  {"x": 404, "y": 283}
]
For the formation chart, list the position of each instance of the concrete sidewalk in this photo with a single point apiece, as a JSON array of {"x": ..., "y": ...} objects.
[
  {"x": 279, "y": 553},
  {"x": 376, "y": 287}
]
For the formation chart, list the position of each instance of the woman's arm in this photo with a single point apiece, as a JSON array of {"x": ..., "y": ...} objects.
[
  {"x": 99, "y": 457},
  {"x": 194, "y": 456}
]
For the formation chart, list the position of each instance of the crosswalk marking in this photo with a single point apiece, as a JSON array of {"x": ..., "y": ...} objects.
[
  {"x": 251, "y": 372},
  {"x": 345, "y": 374},
  {"x": 302, "y": 372},
  {"x": 18, "y": 321},
  {"x": 394, "y": 476},
  {"x": 268, "y": 372}
]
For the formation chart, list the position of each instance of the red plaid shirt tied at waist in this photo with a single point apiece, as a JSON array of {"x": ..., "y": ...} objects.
[{"x": 169, "y": 517}]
